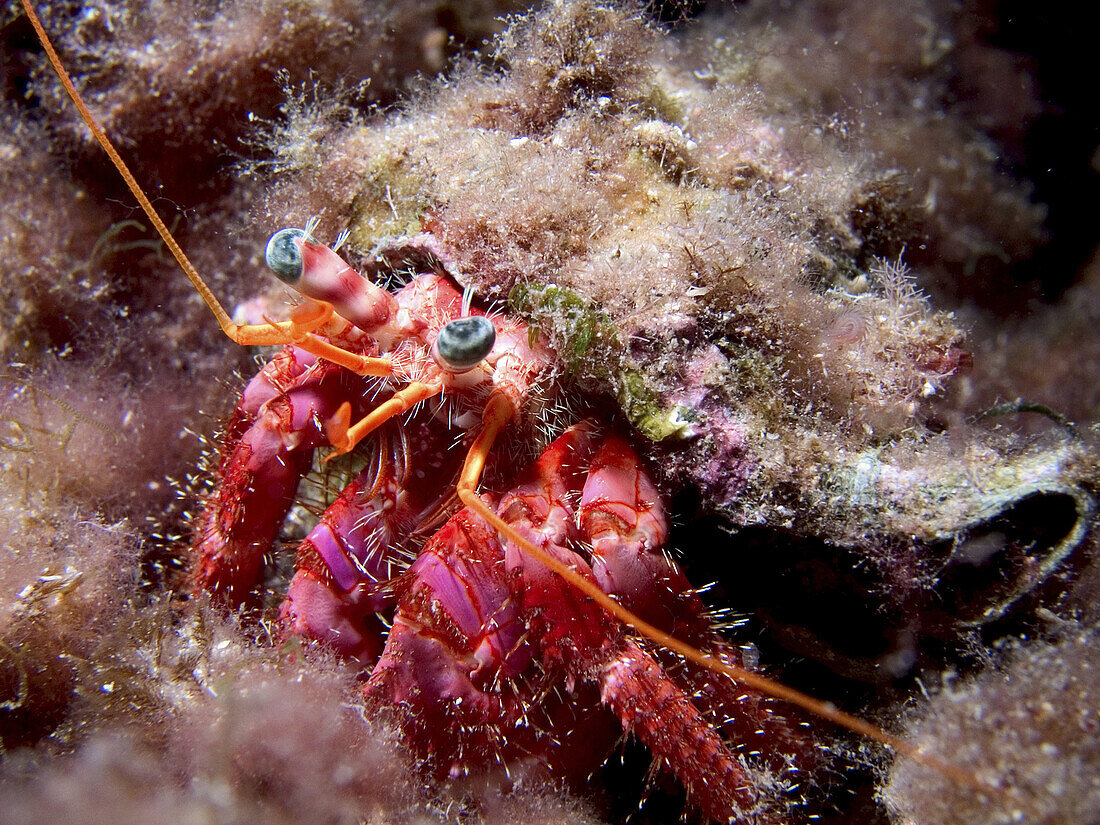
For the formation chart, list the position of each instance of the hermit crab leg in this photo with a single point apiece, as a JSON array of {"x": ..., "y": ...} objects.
[{"x": 268, "y": 447}]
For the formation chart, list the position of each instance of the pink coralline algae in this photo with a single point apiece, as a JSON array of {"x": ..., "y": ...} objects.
[{"x": 724, "y": 473}]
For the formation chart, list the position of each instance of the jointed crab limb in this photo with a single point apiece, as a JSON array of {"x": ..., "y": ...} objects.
[
  {"x": 340, "y": 587},
  {"x": 665, "y": 720},
  {"x": 281, "y": 333},
  {"x": 269, "y": 446}
]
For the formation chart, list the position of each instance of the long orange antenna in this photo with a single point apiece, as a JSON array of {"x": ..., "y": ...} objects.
[{"x": 224, "y": 321}]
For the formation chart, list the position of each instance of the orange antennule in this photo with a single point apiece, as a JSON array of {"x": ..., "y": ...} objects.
[{"x": 344, "y": 436}]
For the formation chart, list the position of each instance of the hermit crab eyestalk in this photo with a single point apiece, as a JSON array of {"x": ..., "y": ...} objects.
[
  {"x": 462, "y": 344},
  {"x": 283, "y": 256}
]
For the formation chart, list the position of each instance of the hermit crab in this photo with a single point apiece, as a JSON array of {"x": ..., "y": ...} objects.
[
  {"x": 483, "y": 634},
  {"x": 517, "y": 603}
]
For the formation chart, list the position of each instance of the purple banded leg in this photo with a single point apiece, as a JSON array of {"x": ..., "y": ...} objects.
[
  {"x": 456, "y": 640},
  {"x": 337, "y": 591}
]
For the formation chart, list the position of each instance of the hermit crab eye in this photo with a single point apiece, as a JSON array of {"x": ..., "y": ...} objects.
[
  {"x": 283, "y": 256},
  {"x": 462, "y": 344}
]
